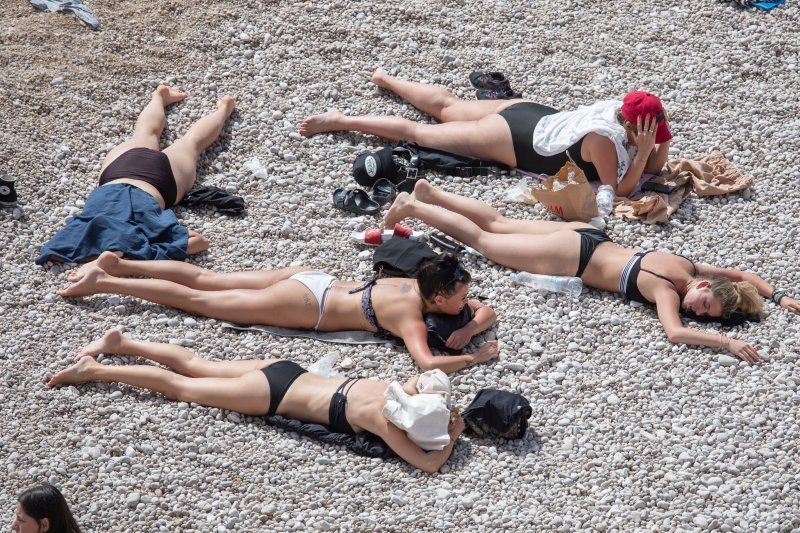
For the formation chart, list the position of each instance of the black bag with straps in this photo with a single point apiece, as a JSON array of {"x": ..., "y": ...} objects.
[
  {"x": 420, "y": 158},
  {"x": 400, "y": 258},
  {"x": 404, "y": 164}
]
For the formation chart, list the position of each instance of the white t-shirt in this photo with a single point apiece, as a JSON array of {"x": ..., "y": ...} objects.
[{"x": 555, "y": 133}]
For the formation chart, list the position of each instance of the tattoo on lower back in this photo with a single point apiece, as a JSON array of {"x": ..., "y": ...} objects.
[
  {"x": 406, "y": 287},
  {"x": 307, "y": 300}
]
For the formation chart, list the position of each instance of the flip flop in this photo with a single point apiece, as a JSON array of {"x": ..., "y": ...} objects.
[
  {"x": 374, "y": 237},
  {"x": 356, "y": 201}
]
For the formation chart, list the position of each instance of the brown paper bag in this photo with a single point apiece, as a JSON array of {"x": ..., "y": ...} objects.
[{"x": 568, "y": 194}]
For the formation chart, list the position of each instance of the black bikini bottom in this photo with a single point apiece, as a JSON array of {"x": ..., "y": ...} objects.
[
  {"x": 590, "y": 239},
  {"x": 280, "y": 376}
]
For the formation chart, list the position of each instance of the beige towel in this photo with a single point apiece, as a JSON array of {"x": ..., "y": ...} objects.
[{"x": 709, "y": 175}]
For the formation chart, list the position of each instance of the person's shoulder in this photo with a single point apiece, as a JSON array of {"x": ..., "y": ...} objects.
[{"x": 594, "y": 139}]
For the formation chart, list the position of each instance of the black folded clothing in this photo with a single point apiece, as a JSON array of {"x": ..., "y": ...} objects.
[
  {"x": 226, "y": 203},
  {"x": 363, "y": 443}
]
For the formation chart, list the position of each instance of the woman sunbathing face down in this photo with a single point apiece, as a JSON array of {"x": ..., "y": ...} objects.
[
  {"x": 129, "y": 212},
  {"x": 300, "y": 298},
  {"x": 671, "y": 282},
  {"x": 257, "y": 388},
  {"x": 523, "y": 134}
]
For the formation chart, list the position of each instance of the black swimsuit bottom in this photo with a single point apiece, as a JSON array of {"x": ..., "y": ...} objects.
[
  {"x": 590, "y": 239},
  {"x": 149, "y": 166},
  {"x": 280, "y": 376},
  {"x": 522, "y": 119}
]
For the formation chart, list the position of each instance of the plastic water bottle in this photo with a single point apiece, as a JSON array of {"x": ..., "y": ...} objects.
[
  {"x": 605, "y": 199},
  {"x": 568, "y": 285}
]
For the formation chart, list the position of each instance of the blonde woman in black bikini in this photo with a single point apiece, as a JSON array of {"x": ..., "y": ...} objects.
[
  {"x": 297, "y": 297},
  {"x": 611, "y": 141},
  {"x": 258, "y": 388},
  {"x": 670, "y": 281}
]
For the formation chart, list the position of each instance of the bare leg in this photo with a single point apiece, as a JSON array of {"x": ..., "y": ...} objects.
[
  {"x": 184, "y": 152},
  {"x": 553, "y": 253},
  {"x": 288, "y": 304},
  {"x": 438, "y": 102},
  {"x": 485, "y": 215},
  {"x": 248, "y": 393},
  {"x": 488, "y": 138},
  {"x": 149, "y": 125},
  {"x": 178, "y": 358},
  {"x": 187, "y": 274}
]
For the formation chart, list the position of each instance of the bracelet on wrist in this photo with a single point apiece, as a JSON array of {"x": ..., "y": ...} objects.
[{"x": 777, "y": 295}]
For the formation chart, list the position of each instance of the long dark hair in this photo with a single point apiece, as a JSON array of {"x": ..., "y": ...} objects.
[
  {"x": 441, "y": 275},
  {"x": 46, "y": 501}
]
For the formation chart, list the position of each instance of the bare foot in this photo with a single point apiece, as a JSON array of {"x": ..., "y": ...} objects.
[
  {"x": 107, "y": 344},
  {"x": 379, "y": 77},
  {"x": 423, "y": 191},
  {"x": 399, "y": 210},
  {"x": 107, "y": 261},
  {"x": 329, "y": 121},
  {"x": 86, "y": 285},
  {"x": 169, "y": 95},
  {"x": 226, "y": 104},
  {"x": 80, "y": 372}
]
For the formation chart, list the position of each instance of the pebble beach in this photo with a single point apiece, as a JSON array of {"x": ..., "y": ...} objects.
[{"x": 628, "y": 432}]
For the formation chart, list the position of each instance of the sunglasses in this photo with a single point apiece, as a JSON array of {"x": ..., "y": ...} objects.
[{"x": 458, "y": 275}]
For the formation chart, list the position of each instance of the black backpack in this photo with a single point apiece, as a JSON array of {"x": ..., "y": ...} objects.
[
  {"x": 400, "y": 258},
  {"x": 404, "y": 164}
]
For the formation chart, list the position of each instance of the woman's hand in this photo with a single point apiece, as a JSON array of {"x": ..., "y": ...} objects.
[
  {"x": 456, "y": 426},
  {"x": 486, "y": 352},
  {"x": 459, "y": 338},
  {"x": 744, "y": 351},
  {"x": 791, "y": 304},
  {"x": 645, "y": 138}
]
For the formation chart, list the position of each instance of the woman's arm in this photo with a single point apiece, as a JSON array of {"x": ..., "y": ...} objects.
[
  {"x": 603, "y": 155},
  {"x": 483, "y": 317},
  {"x": 667, "y": 304},
  {"x": 407, "y": 450},
  {"x": 415, "y": 337},
  {"x": 658, "y": 157}
]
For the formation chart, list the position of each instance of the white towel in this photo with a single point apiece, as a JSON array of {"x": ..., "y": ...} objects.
[{"x": 555, "y": 133}]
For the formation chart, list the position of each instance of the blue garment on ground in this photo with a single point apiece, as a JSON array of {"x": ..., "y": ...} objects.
[
  {"x": 768, "y": 5},
  {"x": 120, "y": 218},
  {"x": 76, "y": 7}
]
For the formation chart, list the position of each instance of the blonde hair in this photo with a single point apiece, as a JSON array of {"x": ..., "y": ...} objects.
[{"x": 740, "y": 296}]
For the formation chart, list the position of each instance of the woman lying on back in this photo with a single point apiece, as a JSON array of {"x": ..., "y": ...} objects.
[
  {"x": 257, "y": 388},
  {"x": 670, "y": 281},
  {"x": 298, "y": 297}
]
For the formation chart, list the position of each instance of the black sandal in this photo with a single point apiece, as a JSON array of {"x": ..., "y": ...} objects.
[
  {"x": 356, "y": 201},
  {"x": 384, "y": 191}
]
